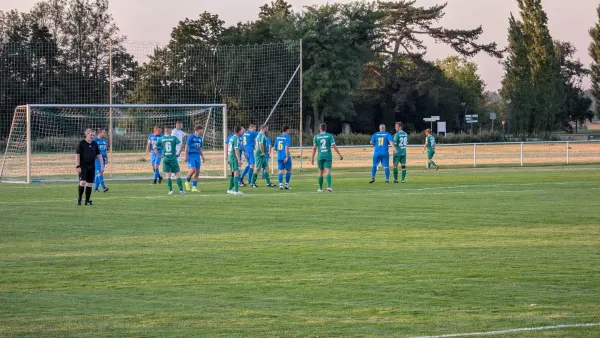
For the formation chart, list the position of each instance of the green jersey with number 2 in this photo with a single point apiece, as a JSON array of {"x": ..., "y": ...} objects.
[
  {"x": 324, "y": 141},
  {"x": 401, "y": 141},
  {"x": 234, "y": 143},
  {"x": 168, "y": 144},
  {"x": 430, "y": 143}
]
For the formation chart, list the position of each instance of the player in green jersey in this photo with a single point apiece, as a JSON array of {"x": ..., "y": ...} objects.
[
  {"x": 169, "y": 155},
  {"x": 430, "y": 148},
  {"x": 324, "y": 142},
  {"x": 261, "y": 157},
  {"x": 400, "y": 142},
  {"x": 234, "y": 153}
]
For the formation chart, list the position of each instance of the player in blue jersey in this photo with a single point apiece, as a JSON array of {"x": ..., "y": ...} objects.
[
  {"x": 249, "y": 144},
  {"x": 154, "y": 159},
  {"x": 193, "y": 153},
  {"x": 284, "y": 159},
  {"x": 102, "y": 146},
  {"x": 381, "y": 155},
  {"x": 270, "y": 146}
]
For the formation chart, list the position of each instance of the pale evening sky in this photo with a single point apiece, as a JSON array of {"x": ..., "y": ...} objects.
[{"x": 152, "y": 20}]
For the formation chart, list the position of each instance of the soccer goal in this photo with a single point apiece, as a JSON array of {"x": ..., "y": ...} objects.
[{"x": 42, "y": 140}]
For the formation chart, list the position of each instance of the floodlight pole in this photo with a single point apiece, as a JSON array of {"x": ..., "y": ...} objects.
[
  {"x": 301, "y": 122},
  {"x": 110, "y": 110}
]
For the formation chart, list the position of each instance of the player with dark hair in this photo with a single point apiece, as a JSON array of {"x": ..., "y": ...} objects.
[
  {"x": 324, "y": 142},
  {"x": 193, "y": 152},
  {"x": 283, "y": 143},
  {"x": 87, "y": 153},
  {"x": 261, "y": 157},
  {"x": 400, "y": 142},
  {"x": 170, "y": 165},
  {"x": 154, "y": 159},
  {"x": 234, "y": 153},
  {"x": 249, "y": 145}
]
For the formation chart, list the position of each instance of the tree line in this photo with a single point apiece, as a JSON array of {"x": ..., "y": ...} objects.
[{"x": 364, "y": 63}]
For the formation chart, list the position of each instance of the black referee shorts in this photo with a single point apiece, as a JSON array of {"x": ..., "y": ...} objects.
[{"x": 87, "y": 174}]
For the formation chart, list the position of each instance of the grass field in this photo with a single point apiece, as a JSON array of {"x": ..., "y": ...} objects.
[{"x": 454, "y": 251}]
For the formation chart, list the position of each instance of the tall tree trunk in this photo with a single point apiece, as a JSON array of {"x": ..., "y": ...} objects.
[{"x": 317, "y": 117}]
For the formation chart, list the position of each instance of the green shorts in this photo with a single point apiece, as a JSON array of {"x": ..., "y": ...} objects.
[
  {"x": 170, "y": 166},
  {"x": 324, "y": 164},
  {"x": 234, "y": 165},
  {"x": 261, "y": 161},
  {"x": 430, "y": 154},
  {"x": 399, "y": 159}
]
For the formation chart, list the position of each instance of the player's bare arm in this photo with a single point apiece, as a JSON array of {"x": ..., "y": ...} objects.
[
  {"x": 262, "y": 149},
  {"x": 202, "y": 156},
  {"x": 393, "y": 147},
  {"x": 337, "y": 151},
  {"x": 312, "y": 161},
  {"x": 183, "y": 151},
  {"x": 78, "y": 163},
  {"x": 237, "y": 154},
  {"x": 101, "y": 161},
  {"x": 287, "y": 154},
  {"x": 148, "y": 147},
  {"x": 156, "y": 152}
]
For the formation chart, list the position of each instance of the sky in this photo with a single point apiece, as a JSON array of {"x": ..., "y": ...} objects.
[{"x": 153, "y": 20}]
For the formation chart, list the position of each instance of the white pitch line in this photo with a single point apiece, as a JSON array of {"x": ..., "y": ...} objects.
[
  {"x": 409, "y": 191},
  {"x": 524, "y": 329}
]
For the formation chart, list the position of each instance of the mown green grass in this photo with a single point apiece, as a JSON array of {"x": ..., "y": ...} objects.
[{"x": 453, "y": 251}]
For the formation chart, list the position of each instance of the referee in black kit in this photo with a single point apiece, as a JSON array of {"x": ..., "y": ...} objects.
[{"x": 87, "y": 153}]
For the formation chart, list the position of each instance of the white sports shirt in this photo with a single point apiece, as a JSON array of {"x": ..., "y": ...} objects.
[{"x": 180, "y": 134}]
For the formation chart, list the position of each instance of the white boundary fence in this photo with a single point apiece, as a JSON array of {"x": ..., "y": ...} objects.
[{"x": 500, "y": 154}]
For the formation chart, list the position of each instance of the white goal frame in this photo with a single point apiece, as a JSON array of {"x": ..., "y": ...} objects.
[{"x": 110, "y": 107}]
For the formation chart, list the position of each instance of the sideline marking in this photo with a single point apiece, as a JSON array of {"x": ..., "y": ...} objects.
[{"x": 489, "y": 333}]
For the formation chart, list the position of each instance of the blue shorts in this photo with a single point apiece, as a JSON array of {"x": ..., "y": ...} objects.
[
  {"x": 284, "y": 165},
  {"x": 98, "y": 165},
  {"x": 194, "y": 161},
  {"x": 250, "y": 157},
  {"x": 384, "y": 159},
  {"x": 154, "y": 160}
]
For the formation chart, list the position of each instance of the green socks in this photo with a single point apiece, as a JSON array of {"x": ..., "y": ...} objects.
[
  {"x": 396, "y": 174},
  {"x": 328, "y": 181},
  {"x": 230, "y": 183},
  {"x": 267, "y": 177},
  {"x": 254, "y": 177},
  {"x": 170, "y": 184},
  {"x": 236, "y": 184},
  {"x": 179, "y": 184},
  {"x": 320, "y": 182},
  {"x": 403, "y": 174}
]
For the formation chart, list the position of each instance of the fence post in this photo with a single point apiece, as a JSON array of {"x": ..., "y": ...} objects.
[
  {"x": 521, "y": 154},
  {"x": 567, "y": 152},
  {"x": 475, "y": 155}
]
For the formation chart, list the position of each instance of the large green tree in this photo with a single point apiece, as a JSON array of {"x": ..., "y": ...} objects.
[
  {"x": 517, "y": 87},
  {"x": 402, "y": 27},
  {"x": 576, "y": 107},
  {"x": 337, "y": 40},
  {"x": 548, "y": 89},
  {"x": 594, "y": 51}
]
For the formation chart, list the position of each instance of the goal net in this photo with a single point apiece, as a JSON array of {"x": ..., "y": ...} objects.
[{"x": 42, "y": 140}]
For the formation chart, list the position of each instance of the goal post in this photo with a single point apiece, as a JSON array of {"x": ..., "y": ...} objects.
[{"x": 43, "y": 137}]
